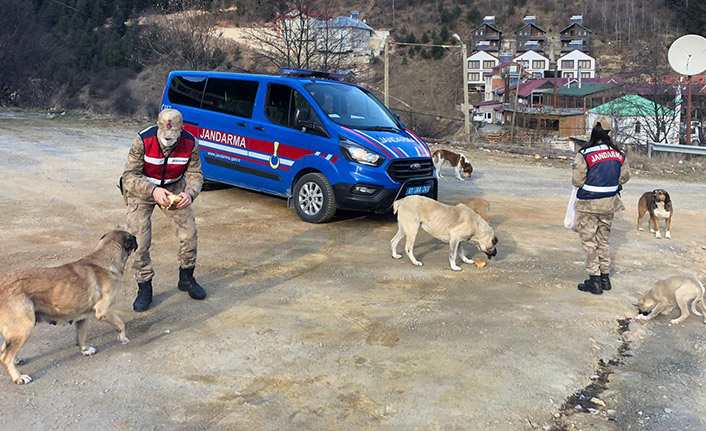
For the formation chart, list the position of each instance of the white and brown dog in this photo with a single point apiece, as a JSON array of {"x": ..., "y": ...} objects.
[
  {"x": 659, "y": 205},
  {"x": 450, "y": 224},
  {"x": 677, "y": 291},
  {"x": 457, "y": 161}
]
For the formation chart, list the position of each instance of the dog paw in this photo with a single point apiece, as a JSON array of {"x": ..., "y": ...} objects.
[
  {"x": 652, "y": 230},
  {"x": 468, "y": 261},
  {"x": 417, "y": 263},
  {"x": 641, "y": 317},
  {"x": 657, "y": 235},
  {"x": 640, "y": 229},
  {"x": 23, "y": 379},
  {"x": 88, "y": 351},
  {"x": 19, "y": 361},
  {"x": 668, "y": 235},
  {"x": 674, "y": 322},
  {"x": 123, "y": 339},
  {"x": 397, "y": 256},
  {"x": 457, "y": 268}
]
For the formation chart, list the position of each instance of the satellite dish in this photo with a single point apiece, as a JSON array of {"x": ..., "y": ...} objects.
[{"x": 687, "y": 55}]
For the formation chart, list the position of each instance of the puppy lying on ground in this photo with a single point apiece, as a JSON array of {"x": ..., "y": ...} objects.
[
  {"x": 457, "y": 161},
  {"x": 665, "y": 294},
  {"x": 659, "y": 205},
  {"x": 451, "y": 224},
  {"x": 70, "y": 292}
]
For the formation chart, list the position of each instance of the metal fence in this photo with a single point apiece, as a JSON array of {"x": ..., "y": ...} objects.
[{"x": 674, "y": 148}]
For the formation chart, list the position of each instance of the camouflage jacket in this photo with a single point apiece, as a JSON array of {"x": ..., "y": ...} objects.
[
  {"x": 135, "y": 184},
  {"x": 609, "y": 205}
]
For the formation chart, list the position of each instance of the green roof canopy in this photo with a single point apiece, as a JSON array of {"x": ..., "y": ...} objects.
[{"x": 631, "y": 105}]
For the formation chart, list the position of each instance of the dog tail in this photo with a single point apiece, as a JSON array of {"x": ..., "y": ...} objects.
[
  {"x": 699, "y": 300},
  {"x": 396, "y": 206}
]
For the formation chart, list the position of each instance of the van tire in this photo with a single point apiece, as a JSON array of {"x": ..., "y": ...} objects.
[{"x": 321, "y": 205}]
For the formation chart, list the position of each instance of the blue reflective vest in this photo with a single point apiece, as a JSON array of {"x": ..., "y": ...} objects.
[{"x": 603, "y": 176}]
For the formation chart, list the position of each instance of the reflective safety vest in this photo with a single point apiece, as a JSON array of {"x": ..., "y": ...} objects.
[
  {"x": 160, "y": 170},
  {"x": 603, "y": 176}
]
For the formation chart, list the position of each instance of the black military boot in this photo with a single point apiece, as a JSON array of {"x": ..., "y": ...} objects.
[
  {"x": 605, "y": 282},
  {"x": 144, "y": 296},
  {"x": 187, "y": 283},
  {"x": 593, "y": 285}
]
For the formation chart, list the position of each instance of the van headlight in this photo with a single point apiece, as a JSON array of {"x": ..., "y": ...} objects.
[{"x": 358, "y": 153}]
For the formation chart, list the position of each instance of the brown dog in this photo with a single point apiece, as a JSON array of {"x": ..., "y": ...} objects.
[
  {"x": 457, "y": 160},
  {"x": 481, "y": 206},
  {"x": 659, "y": 205},
  {"x": 450, "y": 224},
  {"x": 678, "y": 290},
  {"x": 70, "y": 292}
]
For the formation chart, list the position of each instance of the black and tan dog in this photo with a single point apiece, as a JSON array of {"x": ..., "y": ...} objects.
[
  {"x": 71, "y": 292},
  {"x": 457, "y": 161},
  {"x": 659, "y": 205}
]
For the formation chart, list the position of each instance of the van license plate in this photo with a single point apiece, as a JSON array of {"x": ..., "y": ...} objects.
[{"x": 420, "y": 190}]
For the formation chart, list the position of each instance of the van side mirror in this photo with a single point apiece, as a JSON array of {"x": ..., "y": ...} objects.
[
  {"x": 302, "y": 117},
  {"x": 303, "y": 120}
]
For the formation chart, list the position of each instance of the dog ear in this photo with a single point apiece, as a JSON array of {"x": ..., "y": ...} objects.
[
  {"x": 667, "y": 199},
  {"x": 103, "y": 237}
]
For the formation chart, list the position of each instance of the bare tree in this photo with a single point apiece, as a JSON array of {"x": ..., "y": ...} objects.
[
  {"x": 303, "y": 36},
  {"x": 183, "y": 37}
]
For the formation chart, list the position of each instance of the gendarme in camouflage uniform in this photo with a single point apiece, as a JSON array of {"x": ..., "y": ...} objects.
[
  {"x": 599, "y": 171},
  {"x": 164, "y": 160}
]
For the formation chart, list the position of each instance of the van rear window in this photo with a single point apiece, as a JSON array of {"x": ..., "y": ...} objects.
[
  {"x": 230, "y": 96},
  {"x": 186, "y": 90}
]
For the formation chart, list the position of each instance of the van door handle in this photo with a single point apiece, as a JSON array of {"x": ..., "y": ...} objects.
[
  {"x": 260, "y": 128},
  {"x": 242, "y": 124}
]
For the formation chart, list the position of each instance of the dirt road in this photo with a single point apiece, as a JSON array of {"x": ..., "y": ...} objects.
[{"x": 316, "y": 327}]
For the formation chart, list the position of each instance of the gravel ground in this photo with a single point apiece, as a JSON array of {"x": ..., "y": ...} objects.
[{"x": 316, "y": 327}]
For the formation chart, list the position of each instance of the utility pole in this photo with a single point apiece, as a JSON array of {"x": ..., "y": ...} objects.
[
  {"x": 514, "y": 108},
  {"x": 466, "y": 107},
  {"x": 387, "y": 72},
  {"x": 688, "y": 110}
]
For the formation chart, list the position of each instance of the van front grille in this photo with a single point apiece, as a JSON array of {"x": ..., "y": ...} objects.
[{"x": 401, "y": 170}]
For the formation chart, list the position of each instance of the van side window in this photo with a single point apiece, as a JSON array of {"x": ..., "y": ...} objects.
[
  {"x": 282, "y": 104},
  {"x": 230, "y": 96},
  {"x": 186, "y": 90}
]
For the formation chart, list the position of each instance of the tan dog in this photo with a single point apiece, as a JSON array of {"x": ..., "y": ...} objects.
[
  {"x": 659, "y": 205},
  {"x": 665, "y": 294},
  {"x": 451, "y": 224},
  {"x": 70, "y": 292},
  {"x": 481, "y": 206},
  {"x": 457, "y": 161}
]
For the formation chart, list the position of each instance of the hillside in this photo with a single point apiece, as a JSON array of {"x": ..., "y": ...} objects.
[{"x": 113, "y": 55}]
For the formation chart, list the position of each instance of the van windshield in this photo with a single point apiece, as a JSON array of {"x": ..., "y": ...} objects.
[{"x": 353, "y": 107}]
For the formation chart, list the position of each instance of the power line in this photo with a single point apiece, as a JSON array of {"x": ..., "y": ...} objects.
[{"x": 68, "y": 6}]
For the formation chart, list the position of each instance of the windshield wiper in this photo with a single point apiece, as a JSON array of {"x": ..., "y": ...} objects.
[{"x": 382, "y": 129}]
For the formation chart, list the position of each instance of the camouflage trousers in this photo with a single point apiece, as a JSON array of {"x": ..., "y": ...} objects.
[
  {"x": 139, "y": 223},
  {"x": 594, "y": 230}
]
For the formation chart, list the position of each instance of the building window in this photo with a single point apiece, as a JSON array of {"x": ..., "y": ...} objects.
[
  {"x": 637, "y": 127},
  {"x": 537, "y": 64},
  {"x": 584, "y": 64},
  {"x": 585, "y": 74},
  {"x": 488, "y": 64},
  {"x": 474, "y": 77},
  {"x": 474, "y": 64},
  {"x": 567, "y": 64},
  {"x": 568, "y": 74}
]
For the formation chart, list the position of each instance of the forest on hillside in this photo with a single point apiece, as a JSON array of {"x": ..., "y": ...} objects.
[{"x": 93, "y": 54}]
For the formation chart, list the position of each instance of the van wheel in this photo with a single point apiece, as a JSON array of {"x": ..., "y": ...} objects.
[{"x": 314, "y": 199}]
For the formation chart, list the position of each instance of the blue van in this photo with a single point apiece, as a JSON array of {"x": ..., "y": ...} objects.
[{"x": 321, "y": 143}]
